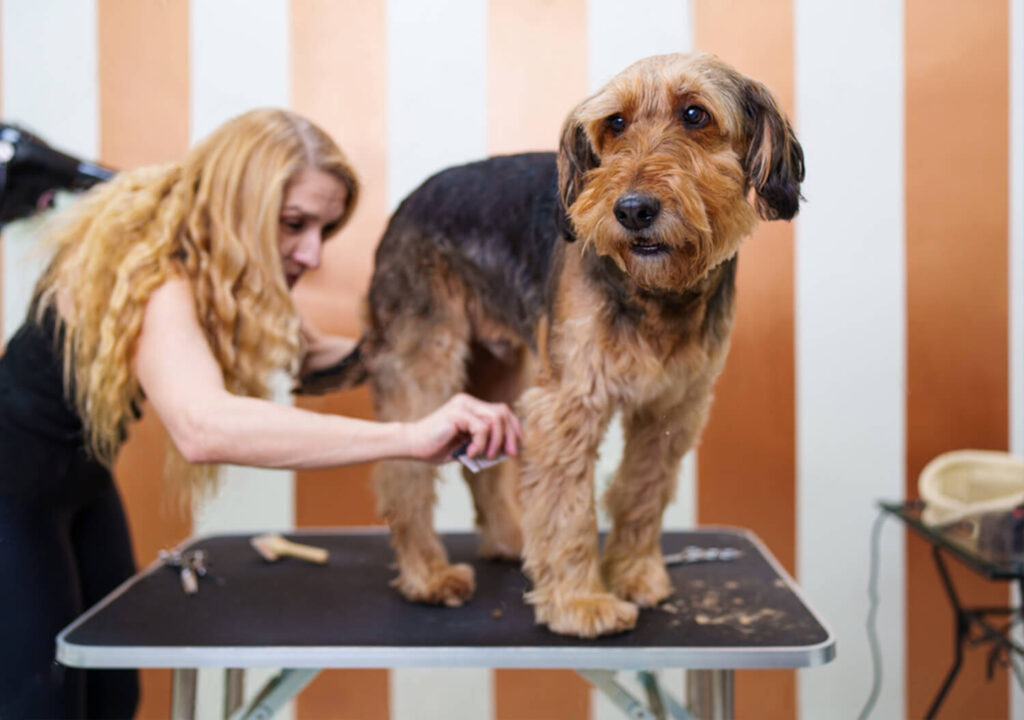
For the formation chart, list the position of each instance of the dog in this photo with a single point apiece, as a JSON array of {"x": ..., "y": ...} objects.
[{"x": 577, "y": 284}]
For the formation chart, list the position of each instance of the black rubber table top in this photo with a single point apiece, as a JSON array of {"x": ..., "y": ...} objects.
[{"x": 248, "y": 602}]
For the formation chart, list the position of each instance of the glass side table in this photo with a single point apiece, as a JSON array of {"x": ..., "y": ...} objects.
[{"x": 988, "y": 553}]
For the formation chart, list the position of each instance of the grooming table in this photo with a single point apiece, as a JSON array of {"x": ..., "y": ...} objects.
[{"x": 248, "y": 613}]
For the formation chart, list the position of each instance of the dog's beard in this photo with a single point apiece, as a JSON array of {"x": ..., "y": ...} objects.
[
  {"x": 694, "y": 232},
  {"x": 674, "y": 269},
  {"x": 668, "y": 256}
]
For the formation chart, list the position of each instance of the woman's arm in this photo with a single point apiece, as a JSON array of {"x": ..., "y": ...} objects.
[{"x": 208, "y": 424}]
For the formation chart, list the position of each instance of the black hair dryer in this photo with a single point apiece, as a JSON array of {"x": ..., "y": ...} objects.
[{"x": 31, "y": 172}]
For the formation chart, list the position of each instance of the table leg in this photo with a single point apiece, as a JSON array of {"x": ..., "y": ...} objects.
[
  {"x": 961, "y": 630},
  {"x": 234, "y": 686},
  {"x": 605, "y": 682},
  {"x": 183, "y": 694},
  {"x": 655, "y": 699},
  {"x": 279, "y": 690},
  {"x": 709, "y": 694}
]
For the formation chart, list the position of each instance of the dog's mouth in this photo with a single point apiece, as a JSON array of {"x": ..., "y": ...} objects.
[{"x": 645, "y": 247}]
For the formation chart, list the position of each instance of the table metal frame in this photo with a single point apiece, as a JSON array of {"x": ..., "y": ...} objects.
[
  {"x": 709, "y": 671},
  {"x": 709, "y": 694}
]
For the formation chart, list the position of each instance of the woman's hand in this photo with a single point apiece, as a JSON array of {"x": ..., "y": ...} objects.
[{"x": 490, "y": 428}]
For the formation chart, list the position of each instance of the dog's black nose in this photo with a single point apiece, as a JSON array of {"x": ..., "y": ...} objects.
[{"x": 635, "y": 211}]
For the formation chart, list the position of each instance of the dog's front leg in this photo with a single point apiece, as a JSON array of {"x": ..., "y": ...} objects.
[
  {"x": 657, "y": 436},
  {"x": 562, "y": 431}
]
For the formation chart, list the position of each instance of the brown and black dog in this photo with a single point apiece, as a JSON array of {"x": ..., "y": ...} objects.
[{"x": 576, "y": 285}]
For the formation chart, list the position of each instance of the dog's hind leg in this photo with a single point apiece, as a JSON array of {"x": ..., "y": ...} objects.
[
  {"x": 657, "y": 437},
  {"x": 409, "y": 383},
  {"x": 497, "y": 379}
]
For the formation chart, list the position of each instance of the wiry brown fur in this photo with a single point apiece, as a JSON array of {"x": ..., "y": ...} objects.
[{"x": 474, "y": 290}]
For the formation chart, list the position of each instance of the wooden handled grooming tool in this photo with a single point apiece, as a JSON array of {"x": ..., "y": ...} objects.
[{"x": 273, "y": 547}]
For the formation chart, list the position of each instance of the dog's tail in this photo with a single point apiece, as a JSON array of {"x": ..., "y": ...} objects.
[{"x": 349, "y": 372}]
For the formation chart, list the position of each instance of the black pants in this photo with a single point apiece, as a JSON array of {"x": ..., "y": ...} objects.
[{"x": 57, "y": 558}]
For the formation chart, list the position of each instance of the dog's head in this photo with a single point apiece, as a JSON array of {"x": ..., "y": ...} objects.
[{"x": 666, "y": 168}]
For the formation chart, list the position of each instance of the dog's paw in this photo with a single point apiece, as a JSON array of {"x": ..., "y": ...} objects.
[
  {"x": 643, "y": 581},
  {"x": 588, "y": 616},
  {"x": 451, "y": 585}
]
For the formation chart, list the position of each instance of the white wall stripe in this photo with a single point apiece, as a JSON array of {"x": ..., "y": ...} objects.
[
  {"x": 235, "y": 67},
  {"x": 850, "y": 291},
  {"x": 441, "y": 694},
  {"x": 437, "y": 109},
  {"x": 437, "y": 117},
  {"x": 49, "y": 87},
  {"x": 1016, "y": 258},
  {"x": 1017, "y": 226},
  {"x": 619, "y": 34},
  {"x": 49, "y": 71},
  {"x": 437, "y": 98}
]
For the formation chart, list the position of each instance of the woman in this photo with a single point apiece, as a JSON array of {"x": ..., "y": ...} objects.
[{"x": 171, "y": 284}]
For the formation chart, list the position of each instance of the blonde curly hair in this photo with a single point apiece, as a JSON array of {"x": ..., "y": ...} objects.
[{"x": 212, "y": 218}]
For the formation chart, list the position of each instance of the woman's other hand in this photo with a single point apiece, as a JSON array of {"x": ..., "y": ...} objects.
[{"x": 490, "y": 428}]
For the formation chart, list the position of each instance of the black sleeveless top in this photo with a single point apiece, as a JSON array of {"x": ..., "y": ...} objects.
[{"x": 42, "y": 452}]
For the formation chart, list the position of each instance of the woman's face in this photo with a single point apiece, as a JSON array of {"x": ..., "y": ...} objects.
[{"x": 313, "y": 204}]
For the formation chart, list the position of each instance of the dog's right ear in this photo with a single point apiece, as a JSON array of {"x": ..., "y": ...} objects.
[
  {"x": 774, "y": 160},
  {"x": 575, "y": 157}
]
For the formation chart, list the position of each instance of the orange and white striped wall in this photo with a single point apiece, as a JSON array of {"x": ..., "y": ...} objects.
[{"x": 883, "y": 327}]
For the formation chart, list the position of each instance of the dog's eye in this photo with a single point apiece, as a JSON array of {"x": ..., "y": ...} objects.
[
  {"x": 694, "y": 116},
  {"x": 616, "y": 123}
]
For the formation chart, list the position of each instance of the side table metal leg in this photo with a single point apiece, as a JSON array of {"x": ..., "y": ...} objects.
[
  {"x": 234, "y": 690},
  {"x": 961, "y": 631},
  {"x": 183, "y": 694},
  {"x": 709, "y": 693}
]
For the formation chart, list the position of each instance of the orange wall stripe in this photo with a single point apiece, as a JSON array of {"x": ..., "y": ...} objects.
[
  {"x": 339, "y": 80},
  {"x": 746, "y": 463},
  {"x": 537, "y": 72},
  {"x": 144, "y": 119},
  {"x": 956, "y": 58},
  {"x": 540, "y": 695}
]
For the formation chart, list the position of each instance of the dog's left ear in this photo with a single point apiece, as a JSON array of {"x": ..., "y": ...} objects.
[
  {"x": 576, "y": 156},
  {"x": 774, "y": 162}
]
